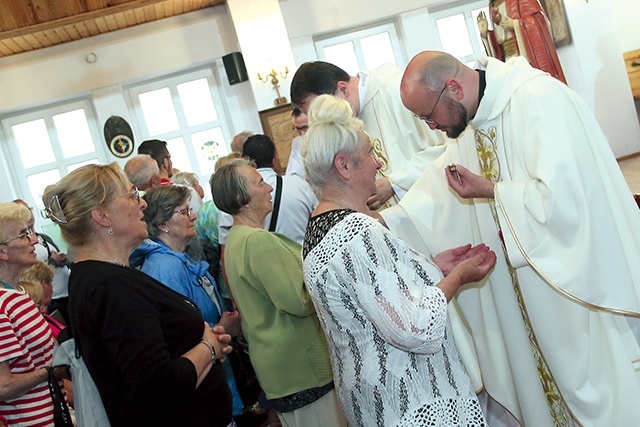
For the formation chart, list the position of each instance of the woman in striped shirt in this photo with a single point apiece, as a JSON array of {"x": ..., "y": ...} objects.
[{"x": 26, "y": 343}]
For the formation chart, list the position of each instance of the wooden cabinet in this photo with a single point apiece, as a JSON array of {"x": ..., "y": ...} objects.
[{"x": 632, "y": 61}]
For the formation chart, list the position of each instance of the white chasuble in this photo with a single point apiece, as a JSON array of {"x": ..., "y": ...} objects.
[{"x": 551, "y": 335}]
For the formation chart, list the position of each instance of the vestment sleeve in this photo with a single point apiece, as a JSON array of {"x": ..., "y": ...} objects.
[
  {"x": 427, "y": 145},
  {"x": 280, "y": 271}
]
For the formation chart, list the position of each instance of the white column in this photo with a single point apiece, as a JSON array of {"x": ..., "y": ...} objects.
[{"x": 265, "y": 45}]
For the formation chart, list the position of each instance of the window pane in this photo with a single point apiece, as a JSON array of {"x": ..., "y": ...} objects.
[
  {"x": 38, "y": 182},
  {"x": 377, "y": 50},
  {"x": 179, "y": 155},
  {"x": 75, "y": 166},
  {"x": 33, "y": 142},
  {"x": 197, "y": 102},
  {"x": 209, "y": 146},
  {"x": 454, "y": 35},
  {"x": 73, "y": 133},
  {"x": 344, "y": 56},
  {"x": 159, "y": 112}
]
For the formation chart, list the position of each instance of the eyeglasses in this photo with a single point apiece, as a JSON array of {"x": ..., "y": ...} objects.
[
  {"x": 135, "y": 194},
  {"x": 24, "y": 235},
  {"x": 186, "y": 211},
  {"x": 427, "y": 119}
]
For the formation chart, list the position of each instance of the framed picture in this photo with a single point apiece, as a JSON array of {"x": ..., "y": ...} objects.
[
  {"x": 276, "y": 123},
  {"x": 554, "y": 9}
]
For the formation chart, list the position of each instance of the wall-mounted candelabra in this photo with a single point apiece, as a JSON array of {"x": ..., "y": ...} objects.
[{"x": 273, "y": 75}]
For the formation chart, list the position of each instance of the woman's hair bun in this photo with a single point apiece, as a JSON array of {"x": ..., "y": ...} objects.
[{"x": 329, "y": 109}]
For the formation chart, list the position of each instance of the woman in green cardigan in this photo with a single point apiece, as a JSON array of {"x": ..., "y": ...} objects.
[{"x": 287, "y": 347}]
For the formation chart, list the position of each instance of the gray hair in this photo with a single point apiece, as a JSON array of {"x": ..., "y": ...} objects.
[
  {"x": 141, "y": 169},
  {"x": 229, "y": 187},
  {"x": 12, "y": 215},
  {"x": 185, "y": 178},
  {"x": 333, "y": 129},
  {"x": 161, "y": 204},
  {"x": 238, "y": 141}
]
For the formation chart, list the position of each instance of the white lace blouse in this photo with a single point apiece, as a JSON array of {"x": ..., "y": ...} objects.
[{"x": 393, "y": 355}]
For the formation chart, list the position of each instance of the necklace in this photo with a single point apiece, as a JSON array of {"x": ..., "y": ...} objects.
[{"x": 5, "y": 285}]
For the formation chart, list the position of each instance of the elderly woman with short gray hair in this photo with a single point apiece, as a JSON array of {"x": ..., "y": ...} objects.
[
  {"x": 170, "y": 224},
  {"x": 287, "y": 347}
]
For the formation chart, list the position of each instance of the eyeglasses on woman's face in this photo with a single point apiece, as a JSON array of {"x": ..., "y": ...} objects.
[
  {"x": 186, "y": 211},
  {"x": 135, "y": 194},
  {"x": 24, "y": 235}
]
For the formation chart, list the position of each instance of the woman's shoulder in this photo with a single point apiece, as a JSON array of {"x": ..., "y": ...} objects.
[
  {"x": 344, "y": 232},
  {"x": 90, "y": 277},
  {"x": 358, "y": 221},
  {"x": 12, "y": 297}
]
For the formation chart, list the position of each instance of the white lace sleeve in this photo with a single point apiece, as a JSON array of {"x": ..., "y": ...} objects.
[{"x": 393, "y": 285}]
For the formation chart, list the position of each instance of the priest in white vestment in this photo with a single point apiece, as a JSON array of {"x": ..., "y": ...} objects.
[
  {"x": 402, "y": 145},
  {"x": 555, "y": 326}
]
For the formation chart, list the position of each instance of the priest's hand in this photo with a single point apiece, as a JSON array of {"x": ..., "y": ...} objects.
[
  {"x": 384, "y": 192},
  {"x": 467, "y": 184}
]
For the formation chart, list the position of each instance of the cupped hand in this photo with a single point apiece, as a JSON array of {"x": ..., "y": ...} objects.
[
  {"x": 476, "y": 267},
  {"x": 448, "y": 259}
]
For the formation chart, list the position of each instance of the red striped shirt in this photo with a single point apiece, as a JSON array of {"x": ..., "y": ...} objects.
[{"x": 27, "y": 345}]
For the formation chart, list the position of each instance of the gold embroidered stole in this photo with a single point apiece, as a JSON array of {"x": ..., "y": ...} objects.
[
  {"x": 380, "y": 152},
  {"x": 486, "y": 141}
]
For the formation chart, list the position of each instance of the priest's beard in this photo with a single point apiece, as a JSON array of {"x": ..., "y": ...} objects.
[{"x": 458, "y": 117}]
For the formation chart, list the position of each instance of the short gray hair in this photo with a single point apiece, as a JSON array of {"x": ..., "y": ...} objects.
[
  {"x": 185, "y": 178},
  {"x": 333, "y": 129},
  {"x": 141, "y": 169},
  {"x": 161, "y": 204},
  {"x": 229, "y": 187}
]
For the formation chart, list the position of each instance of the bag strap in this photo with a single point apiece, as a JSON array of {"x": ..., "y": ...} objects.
[
  {"x": 276, "y": 204},
  {"x": 61, "y": 416}
]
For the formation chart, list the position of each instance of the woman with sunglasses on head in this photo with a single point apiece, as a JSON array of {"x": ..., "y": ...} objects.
[
  {"x": 27, "y": 344},
  {"x": 148, "y": 349},
  {"x": 170, "y": 225}
]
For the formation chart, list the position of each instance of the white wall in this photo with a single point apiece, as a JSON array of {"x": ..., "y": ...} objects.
[{"x": 601, "y": 31}]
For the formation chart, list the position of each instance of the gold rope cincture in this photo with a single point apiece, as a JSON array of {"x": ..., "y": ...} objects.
[
  {"x": 573, "y": 298},
  {"x": 490, "y": 169}
]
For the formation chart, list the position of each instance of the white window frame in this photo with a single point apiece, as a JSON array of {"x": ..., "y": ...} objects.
[
  {"x": 172, "y": 81},
  {"x": 478, "y": 49},
  {"x": 12, "y": 153},
  {"x": 354, "y": 36}
]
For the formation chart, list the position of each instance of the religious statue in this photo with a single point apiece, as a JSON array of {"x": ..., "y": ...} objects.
[{"x": 520, "y": 28}]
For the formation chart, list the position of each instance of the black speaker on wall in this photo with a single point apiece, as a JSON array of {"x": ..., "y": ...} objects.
[{"x": 234, "y": 66}]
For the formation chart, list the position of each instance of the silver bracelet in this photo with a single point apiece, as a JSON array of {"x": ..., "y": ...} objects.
[{"x": 211, "y": 349}]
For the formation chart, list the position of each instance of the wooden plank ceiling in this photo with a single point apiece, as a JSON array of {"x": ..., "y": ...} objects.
[{"x": 26, "y": 25}]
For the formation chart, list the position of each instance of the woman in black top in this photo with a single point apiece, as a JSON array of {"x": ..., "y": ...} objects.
[{"x": 148, "y": 349}]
